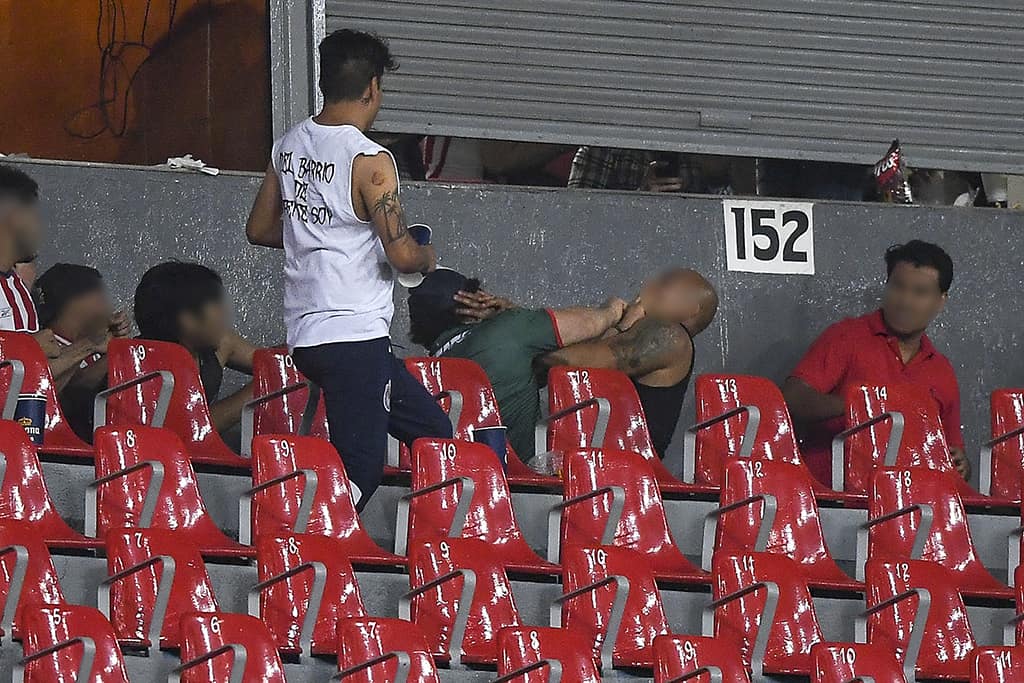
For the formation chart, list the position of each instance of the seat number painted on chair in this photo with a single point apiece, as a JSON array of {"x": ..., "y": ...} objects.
[
  {"x": 748, "y": 563},
  {"x": 138, "y": 353},
  {"x": 848, "y": 655},
  {"x": 215, "y": 625},
  {"x": 285, "y": 447},
  {"x": 689, "y": 652},
  {"x": 289, "y": 362},
  {"x": 881, "y": 394},
  {"x": 908, "y": 478},
  {"x": 448, "y": 451},
  {"x": 903, "y": 572},
  {"x": 599, "y": 557},
  {"x": 579, "y": 376},
  {"x": 534, "y": 641},
  {"x": 129, "y": 438},
  {"x": 138, "y": 539},
  {"x": 293, "y": 546},
  {"x": 446, "y": 551},
  {"x": 769, "y": 237},
  {"x": 758, "y": 469},
  {"x": 730, "y": 384}
]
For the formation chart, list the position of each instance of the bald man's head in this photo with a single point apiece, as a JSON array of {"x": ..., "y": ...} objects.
[{"x": 683, "y": 296}]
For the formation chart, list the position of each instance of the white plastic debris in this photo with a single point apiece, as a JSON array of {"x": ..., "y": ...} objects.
[{"x": 187, "y": 163}]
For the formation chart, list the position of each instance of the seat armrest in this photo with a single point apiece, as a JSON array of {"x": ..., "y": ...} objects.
[
  {"x": 402, "y": 660},
  {"x": 163, "y": 401},
  {"x": 237, "y": 665},
  {"x": 163, "y": 594},
  {"x": 614, "y": 619},
  {"x": 917, "y": 630},
  {"x": 764, "y": 526},
  {"x": 1013, "y": 554},
  {"x": 14, "y": 388},
  {"x": 458, "y": 632},
  {"x": 1010, "y": 629},
  {"x": 892, "y": 447},
  {"x": 611, "y": 525},
  {"x": 924, "y": 530},
  {"x": 455, "y": 410},
  {"x": 746, "y": 445},
  {"x": 604, "y": 411},
  {"x": 248, "y": 423},
  {"x": 153, "y": 486},
  {"x": 14, "y": 588},
  {"x": 553, "y": 666},
  {"x": 316, "y": 598},
  {"x": 764, "y": 629},
  {"x": 305, "y": 503},
  {"x": 458, "y": 520},
  {"x": 713, "y": 673},
  {"x": 85, "y": 672},
  {"x": 985, "y": 460}
]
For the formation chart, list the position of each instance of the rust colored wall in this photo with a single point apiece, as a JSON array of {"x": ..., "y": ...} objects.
[{"x": 102, "y": 80}]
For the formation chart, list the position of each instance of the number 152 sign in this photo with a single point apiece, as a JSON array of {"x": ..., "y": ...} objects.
[{"x": 769, "y": 237}]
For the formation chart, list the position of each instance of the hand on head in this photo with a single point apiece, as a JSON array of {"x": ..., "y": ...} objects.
[{"x": 478, "y": 306}]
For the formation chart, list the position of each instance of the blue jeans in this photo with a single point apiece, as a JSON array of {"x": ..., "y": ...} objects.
[{"x": 369, "y": 394}]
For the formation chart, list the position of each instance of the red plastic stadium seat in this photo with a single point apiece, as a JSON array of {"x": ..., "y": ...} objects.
[
  {"x": 150, "y": 570},
  {"x": 924, "y": 591},
  {"x": 213, "y": 645},
  {"x": 23, "y": 493},
  {"x": 475, "y": 405},
  {"x": 844, "y": 662},
  {"x": 605, "y": 582},
  {"x": 300, "y": 486},
  {"x": 56, "y": 639},
  {"x": 139, "y": 464},
  {"x": 676, "y": 656},
  {"x": 372, "y": 651},
  {"x": 274, "y": 371},
  {"x": 58, "y": 438},
  {"x": 22, "y": 550},
  {"x": 601, "y": 483},
  {"x": 900, "y": 498},
  {"x": 533, "y": 653},
  {"x": 441, "y": 500},
  {"x": 188, "y": 414},
  {"x": 923, "y": 443},
  {"x": 757, "y": 492},
  {"x": 306, "y": 587},
  {"x": 1004, "y": 454},
  {"x": 997, "y": 665},
  {"x": 458, "y": 585},
  {"x": 573, "y": 400}
]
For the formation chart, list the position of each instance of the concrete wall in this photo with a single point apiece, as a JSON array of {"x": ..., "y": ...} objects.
[{"x": 554, "y": 247}]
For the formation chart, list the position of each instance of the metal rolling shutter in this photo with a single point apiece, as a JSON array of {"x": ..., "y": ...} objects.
[{"x": 815, "y": 79}]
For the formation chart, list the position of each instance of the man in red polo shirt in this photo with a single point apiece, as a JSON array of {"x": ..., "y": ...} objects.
[{"x": 886, "y": 346}]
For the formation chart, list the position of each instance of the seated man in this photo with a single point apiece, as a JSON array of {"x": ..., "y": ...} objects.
[
  {"x": 649, "y": 340},
  {"x": 885, "y": 346},
  {"x": 73, "y": 305},
  {"x": 184, "y": 303}
]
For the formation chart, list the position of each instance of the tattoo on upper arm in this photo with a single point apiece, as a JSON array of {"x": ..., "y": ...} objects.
[
  {"x": 390, "y": 210},
  {"x": 639, "y": 349}
]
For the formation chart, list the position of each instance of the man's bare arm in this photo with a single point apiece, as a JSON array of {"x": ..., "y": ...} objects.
[
  {"x": 227, "y": 412},
  {"x": 807, "y": 404},
  {"x": 237, "y": 352},
  {"x": 377, "y": 184},
  {"x": 264, "y": 226},
  {"x": 582, "y": 323}
]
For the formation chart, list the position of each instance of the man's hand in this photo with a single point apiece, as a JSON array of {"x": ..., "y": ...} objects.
[
  {"x": 48, "y": 343},
  {"x": 119, "y": 325},
  {"x": 478, "y": 306},
  {"x": 634, "y": 313},
  {"x": 963, "y": 465}
]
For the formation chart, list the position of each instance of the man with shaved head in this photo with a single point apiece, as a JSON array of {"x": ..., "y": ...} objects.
[{"x": 650, "y": 339}]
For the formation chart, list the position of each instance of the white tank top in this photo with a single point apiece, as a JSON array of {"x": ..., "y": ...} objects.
[{"x": 338, "y": 284}]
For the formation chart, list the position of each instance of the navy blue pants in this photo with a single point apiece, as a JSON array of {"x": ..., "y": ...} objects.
[{"x": 368, "y": 394}]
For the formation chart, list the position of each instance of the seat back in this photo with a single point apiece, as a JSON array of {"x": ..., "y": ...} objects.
[
  {"x": 525, "y": 645},
  {"x": 58, "y": 436},
  {"x": 188, "y": 414},
  {"x": 273, "y": 370},
  {"x": 492, "y": 607},
  {"x": 923, "y": 443},
  {"x": 479, "y": 407},
  {"x": 793, "y": 631},
  {"x": 1007, "y": 414},
  {"x": 717, "y": 395},
  {"x": 284, "y": 606},
  {"x": 644, "y": 617},
  {"x": 489, "y": 517},
  {"x": 47, "y": 625},
  {"x": 997, "y": 664},
  {"x": 360, "y": 640},
  {"x": 119, "y": 503},
  {"x": 947, "y": 639},
  {"x": 202, "y": 633},
  {"x": 796, "y": 531},
  {"x": 676, "y": 656},
  {"x": 133, "y": 599},
  {"x": 40, "y": 584},
  {"x": 843, "y": 662},
  {"x": 643, "y": 526}
]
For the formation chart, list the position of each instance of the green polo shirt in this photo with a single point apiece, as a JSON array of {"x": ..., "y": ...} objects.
[{"x": 505, "y": 347}]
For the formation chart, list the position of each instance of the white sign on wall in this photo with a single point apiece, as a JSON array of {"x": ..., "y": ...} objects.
[{"x": 769, "y": 237}]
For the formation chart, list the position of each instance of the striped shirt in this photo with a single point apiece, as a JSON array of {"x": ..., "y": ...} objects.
[{"x": 17, "y": 311}]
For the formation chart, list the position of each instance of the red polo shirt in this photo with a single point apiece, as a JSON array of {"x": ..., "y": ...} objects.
[{"x": 864, "y": 351}]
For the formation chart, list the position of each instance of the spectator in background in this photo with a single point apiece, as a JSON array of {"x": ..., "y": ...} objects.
[
  {"x": 73, "y": 305},
  {"x": 185, "y": 303},
  {"x": 886, "y": 346},
  {"x": 20, "y": 232}
]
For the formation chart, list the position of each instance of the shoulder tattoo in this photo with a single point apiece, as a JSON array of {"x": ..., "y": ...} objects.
[
  {"x": 390, "y": 210},
  {"x": 643, "y": 347}
]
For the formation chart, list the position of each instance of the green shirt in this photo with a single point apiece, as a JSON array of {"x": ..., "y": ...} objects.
[{"x": 505, "y": 347}]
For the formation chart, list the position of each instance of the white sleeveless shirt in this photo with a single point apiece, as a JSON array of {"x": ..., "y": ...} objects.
[{"x": 338, "y": 284}]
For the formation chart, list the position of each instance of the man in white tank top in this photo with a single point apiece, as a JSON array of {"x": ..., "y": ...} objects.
[{"x": 330, "y": 199}]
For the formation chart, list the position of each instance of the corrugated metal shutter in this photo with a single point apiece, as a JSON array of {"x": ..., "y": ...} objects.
[{"x": 817, "y": 79}]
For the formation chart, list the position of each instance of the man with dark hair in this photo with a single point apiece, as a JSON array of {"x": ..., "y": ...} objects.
[
  {"x": 73, "y": 305},
  {"x": 330, "y": 199},
  {"x": 185, "y": 303},
  {"x": 650, "y": 340},
  {"x": 20, "y": 232},
  {"x": 885, "y": 346}
]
